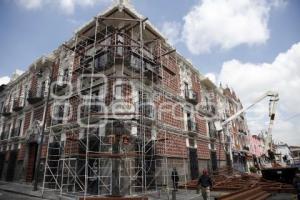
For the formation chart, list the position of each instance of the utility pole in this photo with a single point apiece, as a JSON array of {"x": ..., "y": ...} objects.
[{"x": 40, "y": 145}]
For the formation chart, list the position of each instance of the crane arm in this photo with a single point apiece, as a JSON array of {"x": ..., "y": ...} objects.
[
  {"x": 274, "y": 97},
  {"x": 273, "y": 105}
]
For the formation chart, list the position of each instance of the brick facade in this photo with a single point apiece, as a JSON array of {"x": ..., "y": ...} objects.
[
  {"x": 202, "y": 150},
  {"x": 172, "y": 127}
]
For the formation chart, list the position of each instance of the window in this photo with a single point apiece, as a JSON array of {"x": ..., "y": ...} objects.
[
  {"x": 1, "y": 106},
  {"x": 19, "y": 127},
  {"x": 66, "y": 75},
  {"x": 102, "y": 92},
  {"x": 7, "y": 132},
  {"x": 118, "y": 92},
  {"x": 207, "y": 102},
  {"x": 186, "y": 89},
  {"x": 25, "y": 95},
  {"x": 43, "y": 87}
]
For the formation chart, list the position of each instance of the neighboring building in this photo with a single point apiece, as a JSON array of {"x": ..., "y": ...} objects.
[
  {"x": 295, "y": 152},
  {"x": 124, "y": 108},
  {"x": 238, "y": 131},
  {"x": 257, "y": 145},
  {"x": 283, "y": 153}
]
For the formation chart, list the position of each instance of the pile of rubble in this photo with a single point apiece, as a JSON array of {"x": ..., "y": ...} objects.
[{"x": 243, "y": 186}]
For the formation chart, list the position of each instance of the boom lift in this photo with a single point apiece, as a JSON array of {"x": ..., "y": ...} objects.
[{"x": 274, "y": 97}]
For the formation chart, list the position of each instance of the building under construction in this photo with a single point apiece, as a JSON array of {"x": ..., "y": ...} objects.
[{"x": 119, "y": 109}]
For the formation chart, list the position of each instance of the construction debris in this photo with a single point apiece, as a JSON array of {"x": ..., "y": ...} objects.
[
  {"x": 255, "y": 193},
  {"x": 243, "y": 186}
]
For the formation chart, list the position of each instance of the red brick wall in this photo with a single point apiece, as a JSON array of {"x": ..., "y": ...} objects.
[
  {"x": 109, "y": 92},
  {"x": 30, "y": 166},
  {"x": 74, "y": 102},
  {"x": 55, "y": 69},
  {"x": 26, "y": 122},
  {"x": 169, "y": 116},
  {"x": 127, "y": 92},
  {"x": 171, "y": 81},
  {"x": 38, "y": 113},
  {"x": 220, "y": 154},
  {"x": 44, "y": 150},
  {"x": 14, "y": 123},
  {"x": 72, "y": 144},
  {"x": 202, "y": 125},
  {"x": 21, "y": 153},
  {"x": 196, "y": 85},
  {"x": 33, "y": 86},
  {"x": 202, "y": 149},
  {"x": 171, "y": 145}
]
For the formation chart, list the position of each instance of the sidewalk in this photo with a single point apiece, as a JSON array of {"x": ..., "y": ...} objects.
[
  {"x": 26, "y": 189},
  {"x": 183, "y": 195}
]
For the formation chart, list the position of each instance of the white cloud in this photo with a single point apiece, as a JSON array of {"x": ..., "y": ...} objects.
[
  {"x": 226, "y": 24},
  {"x": 172, "y": 31},
  {"x": 19, "y": 72},
  {"x": 66, "y": 6},
  {"x": 283, "y": 75},
  {"x": 31, "y": 4},
  {"x": 4, "y": 80},
  {"x": 212, "y": 77}
]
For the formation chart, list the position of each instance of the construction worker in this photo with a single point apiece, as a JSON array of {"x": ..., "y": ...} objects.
[
  {"x": 296, "y": 183},
  {"x": 175, "y": 178},
  {"x": 205, "y": 183}
]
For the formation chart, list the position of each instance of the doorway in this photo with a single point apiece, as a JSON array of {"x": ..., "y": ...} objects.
[
  {"x": 2, "y": 161},
  {"x": 31, "y": 161},
  {"x": 11, "y": 165},
  {"x": 214, "y": 160},
  {"x": 194, "y": 163}
]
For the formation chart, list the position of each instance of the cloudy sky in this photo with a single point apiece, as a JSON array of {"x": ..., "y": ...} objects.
[{"x": 250, "y": 45}]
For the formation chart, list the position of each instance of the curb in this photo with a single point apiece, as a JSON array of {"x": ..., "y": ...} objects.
[
  {"x": 17, "y": 192},
  {"x": 37, "y": 196}
]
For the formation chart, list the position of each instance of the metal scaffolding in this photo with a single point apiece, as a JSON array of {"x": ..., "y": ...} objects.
[{"x": 110, "y": 151}]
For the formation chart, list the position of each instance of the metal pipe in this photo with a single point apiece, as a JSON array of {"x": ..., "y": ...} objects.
[{"x": 40, "y": 145}]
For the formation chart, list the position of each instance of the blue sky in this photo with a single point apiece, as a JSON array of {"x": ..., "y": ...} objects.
[
  {"x": 232, "y": 41},
  {"x": 28, "y": 33}
]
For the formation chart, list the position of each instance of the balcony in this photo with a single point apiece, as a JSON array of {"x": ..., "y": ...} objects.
[
  {"x": 152, "y": 74},
  {"x": 103, "y": 61},
  {"x": 117, "y": 127},
  {"x": 227, "y": 112},
  {"x": 60, "y": 88},
  {"x": 246, "y": 148},
  {"x": 213, "y": 134},
  {"x": 57, "y": 124},
  {"x": 208, "y": 110},
  {"x": 15, "y": 132},
  {"x": 2, "y": 87},
  {"x": 4, "y": 135},
  {"x": 192, "y": 127},
  {"x": 91, "y": 115},
  {"x": 6, "y": 112},
  {"x": 34, "y": 97},
  {"x": 32, "y": 136},
  {"x": 212, "y": 131},
  {"x": 17, "y": 106},
  {"x": 243, "y": 132},
  {"x": 191, "y": 96}
]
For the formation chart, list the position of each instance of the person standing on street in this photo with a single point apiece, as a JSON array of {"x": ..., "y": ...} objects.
[
  {"x": 205, "y": 183},
  {"x": 175, "y": 178}
]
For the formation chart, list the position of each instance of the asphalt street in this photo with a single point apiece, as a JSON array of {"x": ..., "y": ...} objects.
[{"x": 14, "y": 196}]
